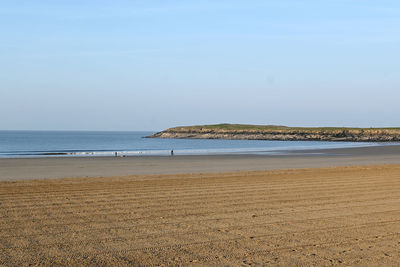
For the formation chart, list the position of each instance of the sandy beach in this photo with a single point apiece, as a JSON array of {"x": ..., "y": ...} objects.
[
  {"x": 318, "y": 211},
  {"x": 325, "y": 216},
  {"x": 61, "y": 167}
]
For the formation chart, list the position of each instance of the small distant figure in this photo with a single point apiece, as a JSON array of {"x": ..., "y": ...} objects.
[
  {"x": 172, "y": 152},
  {"x": 116, "y": 154}
]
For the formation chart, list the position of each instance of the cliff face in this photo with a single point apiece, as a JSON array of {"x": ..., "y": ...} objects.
[{"x": 284, "y": 134}]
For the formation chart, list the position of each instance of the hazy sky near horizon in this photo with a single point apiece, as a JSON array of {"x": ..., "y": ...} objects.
[{"x": 150, "y": 65}]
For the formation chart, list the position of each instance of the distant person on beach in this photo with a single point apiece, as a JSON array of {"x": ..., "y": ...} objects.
[
  {"x": 172, "y": 152},
  {"x": 116, "y": 154}
]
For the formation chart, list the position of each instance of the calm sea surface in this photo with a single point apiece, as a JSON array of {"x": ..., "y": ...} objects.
[{"x": 88, "y": 143}]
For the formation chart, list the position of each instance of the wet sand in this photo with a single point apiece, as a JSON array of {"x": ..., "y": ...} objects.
[
  {"x": 308, "y": 217},
  {"x": 39, "y": 168}
]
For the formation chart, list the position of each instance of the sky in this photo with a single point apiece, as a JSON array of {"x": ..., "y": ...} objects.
[{"x": 151, "y": 65}]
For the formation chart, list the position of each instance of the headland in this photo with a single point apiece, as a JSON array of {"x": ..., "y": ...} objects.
[{"x": 281, "y": 133}]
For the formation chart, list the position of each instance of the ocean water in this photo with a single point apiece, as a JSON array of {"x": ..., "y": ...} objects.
[{"x": 96, "y": 143}]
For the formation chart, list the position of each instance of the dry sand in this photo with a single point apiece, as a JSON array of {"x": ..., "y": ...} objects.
[{"x": 330, "y": 216}]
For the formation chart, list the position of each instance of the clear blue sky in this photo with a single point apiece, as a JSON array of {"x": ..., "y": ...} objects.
[{"x": 150, "y": 65}]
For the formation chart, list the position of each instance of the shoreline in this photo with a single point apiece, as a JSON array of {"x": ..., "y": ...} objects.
[
  {"x": 12, "y": 169},
  {"x": 193, "y": 151}
]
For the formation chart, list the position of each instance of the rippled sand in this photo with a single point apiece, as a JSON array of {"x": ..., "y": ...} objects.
[{"x": 348, "y": 215}]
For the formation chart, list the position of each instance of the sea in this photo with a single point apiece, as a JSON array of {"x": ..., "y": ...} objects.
[{"x": 16, "y": 144}]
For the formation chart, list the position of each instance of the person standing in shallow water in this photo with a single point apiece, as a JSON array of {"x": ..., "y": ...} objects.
[{"x": 172, "y": 152}]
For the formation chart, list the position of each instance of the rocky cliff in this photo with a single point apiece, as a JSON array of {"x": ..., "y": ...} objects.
[{"x": 248, "y": 132}]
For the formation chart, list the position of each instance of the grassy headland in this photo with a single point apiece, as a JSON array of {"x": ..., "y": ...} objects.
[{"x": 284, "y": 133}]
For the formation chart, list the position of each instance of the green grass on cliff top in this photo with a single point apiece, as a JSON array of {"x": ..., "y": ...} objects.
[{"x": 227, "y": 126}]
